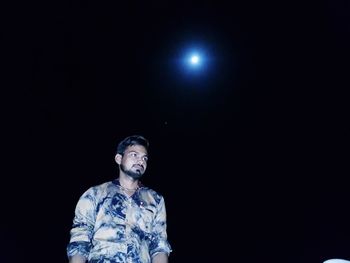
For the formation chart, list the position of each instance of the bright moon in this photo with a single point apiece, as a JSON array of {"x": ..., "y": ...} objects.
[{"x": 194, "y": 59}]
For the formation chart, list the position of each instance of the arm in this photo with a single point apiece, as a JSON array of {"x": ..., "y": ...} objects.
[
  {"x": 159, "y": 245},
  {"x": 77, "y": 259},
  {"x": 82, "y": 230},
  {"x": 160, "y": 258}
]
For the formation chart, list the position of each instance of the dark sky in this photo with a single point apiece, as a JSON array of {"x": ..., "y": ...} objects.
[{"x": 250, "y": 154}]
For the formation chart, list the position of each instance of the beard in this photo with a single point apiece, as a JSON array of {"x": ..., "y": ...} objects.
[{"x": 135, "y": 175}]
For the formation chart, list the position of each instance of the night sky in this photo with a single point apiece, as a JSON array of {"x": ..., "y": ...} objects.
[{"x": 249, "y": 153}]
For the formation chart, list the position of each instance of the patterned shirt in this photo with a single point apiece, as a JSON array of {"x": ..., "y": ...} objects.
[{"x": 111, "y": 227}]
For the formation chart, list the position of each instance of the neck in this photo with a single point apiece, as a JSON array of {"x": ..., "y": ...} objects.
[{"x": 128, "y": 183}]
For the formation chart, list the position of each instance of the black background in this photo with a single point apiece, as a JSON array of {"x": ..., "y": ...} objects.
[{"x": 250, "y": 156}]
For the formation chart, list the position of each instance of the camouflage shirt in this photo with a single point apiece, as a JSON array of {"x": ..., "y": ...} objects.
[{"x": 111, "y": 227}]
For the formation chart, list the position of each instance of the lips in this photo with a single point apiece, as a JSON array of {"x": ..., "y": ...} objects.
[{"x": 138, "y": 167}]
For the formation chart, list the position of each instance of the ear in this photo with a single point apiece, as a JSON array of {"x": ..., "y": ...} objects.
[{"x": 118, "y": 158}]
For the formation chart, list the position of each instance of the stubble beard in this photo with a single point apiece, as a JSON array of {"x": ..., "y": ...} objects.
[{"x": 134, "y": 175}]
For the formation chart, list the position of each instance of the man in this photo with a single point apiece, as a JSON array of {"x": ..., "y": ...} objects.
[{"x": 121, "y": 221}]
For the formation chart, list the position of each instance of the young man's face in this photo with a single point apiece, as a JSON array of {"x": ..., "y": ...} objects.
[{"x": 134, "y": 161}]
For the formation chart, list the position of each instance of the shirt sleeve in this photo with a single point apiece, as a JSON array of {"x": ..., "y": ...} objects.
[
  {"x": 159, "y": 242},
  {"x": 83, "y": 224}
]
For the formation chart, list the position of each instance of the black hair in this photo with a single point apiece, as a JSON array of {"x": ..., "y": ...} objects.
[{"x": 132, "y": 140}]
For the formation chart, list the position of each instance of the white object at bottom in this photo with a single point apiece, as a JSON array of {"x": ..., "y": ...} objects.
[{"x": 336, "y": 260}]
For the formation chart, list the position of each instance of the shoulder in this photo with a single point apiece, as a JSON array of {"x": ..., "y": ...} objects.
[
  {"x": 99, "y": 189},
  {"x": 151, "y": 194},
  {"x": 103, "y": 186}
]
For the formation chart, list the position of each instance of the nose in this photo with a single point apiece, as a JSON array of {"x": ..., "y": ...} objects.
[{"x": 141, "y": 161}]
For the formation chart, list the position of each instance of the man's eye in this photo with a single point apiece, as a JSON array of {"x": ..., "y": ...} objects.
[{"x": 145, "y": 159}]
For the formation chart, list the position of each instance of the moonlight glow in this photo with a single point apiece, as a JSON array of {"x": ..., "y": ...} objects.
[{"x": 194, "y": 59}]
